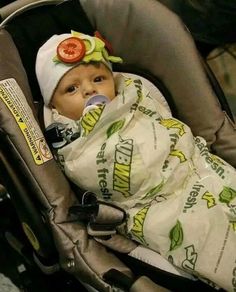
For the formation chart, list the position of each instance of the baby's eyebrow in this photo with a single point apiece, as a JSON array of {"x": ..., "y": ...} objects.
[{"x": 72, "y": 82}]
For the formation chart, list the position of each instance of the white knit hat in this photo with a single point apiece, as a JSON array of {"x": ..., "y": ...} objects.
[{"x": 51, "y": 67}]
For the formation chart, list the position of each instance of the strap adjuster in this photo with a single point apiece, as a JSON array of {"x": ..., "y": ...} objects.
[
  {"x": 100, "y": 230},
  {"x": 102, "y": 218},
  {"x": 58, "y": 135}
]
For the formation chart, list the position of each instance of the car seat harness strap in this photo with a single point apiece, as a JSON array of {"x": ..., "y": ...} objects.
[{"x": 101, "y": 217}]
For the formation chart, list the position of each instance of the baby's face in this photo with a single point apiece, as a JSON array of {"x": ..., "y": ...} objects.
[{"x": 79, "y": 84}]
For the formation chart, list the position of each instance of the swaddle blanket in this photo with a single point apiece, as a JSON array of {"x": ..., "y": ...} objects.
[{"x": 179, "y": 198}]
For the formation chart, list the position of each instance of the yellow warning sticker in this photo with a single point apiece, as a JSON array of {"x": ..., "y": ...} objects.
[{"x": 13, "y": 97}]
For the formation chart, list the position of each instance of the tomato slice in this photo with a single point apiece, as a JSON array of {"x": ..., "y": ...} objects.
[{"x": 71, "y": 50}]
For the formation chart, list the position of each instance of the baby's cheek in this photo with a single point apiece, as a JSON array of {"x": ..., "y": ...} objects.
[{"x": 113, "y": 94}]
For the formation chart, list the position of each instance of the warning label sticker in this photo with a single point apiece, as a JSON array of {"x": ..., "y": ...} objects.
[{"x": 14, "y": 99}]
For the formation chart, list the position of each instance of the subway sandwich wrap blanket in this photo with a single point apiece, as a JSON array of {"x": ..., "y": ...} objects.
[{"x": 179, "y": 198}]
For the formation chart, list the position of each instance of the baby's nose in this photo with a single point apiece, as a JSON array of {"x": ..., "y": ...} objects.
[{"x": 89, "y": 90}]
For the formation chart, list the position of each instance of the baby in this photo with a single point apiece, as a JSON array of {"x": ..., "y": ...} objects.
[
  {"x": 130, "y": 151},
  {"x": 65, "y": 100}
]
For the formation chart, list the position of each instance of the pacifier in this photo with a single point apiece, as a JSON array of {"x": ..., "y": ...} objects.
[{"x": 95, "y": 101}]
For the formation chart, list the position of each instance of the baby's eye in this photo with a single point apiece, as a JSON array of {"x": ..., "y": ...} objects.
[
  {"x": 71, "y": 89},
  {"x": 98, "y": 79}
]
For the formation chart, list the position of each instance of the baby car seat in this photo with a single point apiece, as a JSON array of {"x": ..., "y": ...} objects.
[{"x": 153, "y": 43}]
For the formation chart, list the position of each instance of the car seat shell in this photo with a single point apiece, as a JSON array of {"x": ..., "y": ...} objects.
[{"x": 80, "y": 254}]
